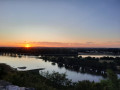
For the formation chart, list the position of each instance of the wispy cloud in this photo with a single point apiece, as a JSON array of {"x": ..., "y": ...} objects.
[
  {"x": 62, "y": 44},
  {"x": 112, "y": 44}
]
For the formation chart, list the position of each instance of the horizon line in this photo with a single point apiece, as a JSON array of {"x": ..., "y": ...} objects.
[{"x": 55, "y": 47}]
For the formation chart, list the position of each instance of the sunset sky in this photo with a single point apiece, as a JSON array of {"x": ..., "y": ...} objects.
[{"x": 60, "y": 23}]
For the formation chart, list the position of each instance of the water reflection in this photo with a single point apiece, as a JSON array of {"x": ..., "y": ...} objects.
[
  {"x": 34, "y": 62},
  {"x": 99, "y": 56}
]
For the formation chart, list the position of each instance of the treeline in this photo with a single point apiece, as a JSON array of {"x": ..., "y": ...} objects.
[
  {"x": 88, "y": 64},
  {"x": 38, "y": 51},
  {"x": 55, "y": 81},
  {"x": 58, "y": 51},
  {"x": 111, "y": 51}
]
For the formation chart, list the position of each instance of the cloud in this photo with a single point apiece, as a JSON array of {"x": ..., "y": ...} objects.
[
  {"x": 61, "y": 44},
  {"x": 87, "y": 44},
  {"x": 90, "y": 43},
  {"x": 107, "y": 44}
]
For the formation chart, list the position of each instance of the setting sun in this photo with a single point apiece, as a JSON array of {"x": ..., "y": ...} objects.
[{"x": 27, "y": 45}]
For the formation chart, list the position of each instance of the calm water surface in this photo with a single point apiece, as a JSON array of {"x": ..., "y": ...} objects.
[
  {"x": 31, "y": 62},
  {"x": 98, "y": 56}
]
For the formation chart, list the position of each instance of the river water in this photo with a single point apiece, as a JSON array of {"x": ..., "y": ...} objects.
[
  {"x": 31, "y": 62},
  {"x": 99, "y": 56}
]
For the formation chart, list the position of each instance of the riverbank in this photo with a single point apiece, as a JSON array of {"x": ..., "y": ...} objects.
[
  {"x": 54, "y": 81},
  {"x": 4, "y": 85}
]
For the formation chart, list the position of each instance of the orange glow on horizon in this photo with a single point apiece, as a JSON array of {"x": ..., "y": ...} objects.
[
  {"x": 60, "y": 44},
  {"x": 27, "y": 45}
]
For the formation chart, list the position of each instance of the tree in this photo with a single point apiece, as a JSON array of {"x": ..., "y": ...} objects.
[{"x": 112, "y": 83}]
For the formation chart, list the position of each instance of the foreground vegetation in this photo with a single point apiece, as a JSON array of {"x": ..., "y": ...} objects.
[{"x": 55, "y": 81}]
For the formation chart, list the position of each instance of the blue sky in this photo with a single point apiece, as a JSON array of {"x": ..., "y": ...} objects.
[{"x": 65, "y": 21}]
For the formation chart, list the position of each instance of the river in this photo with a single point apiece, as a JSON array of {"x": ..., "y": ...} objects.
[{"x": 32, "y": 62}]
